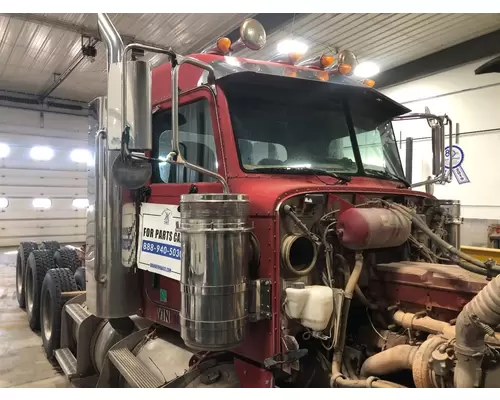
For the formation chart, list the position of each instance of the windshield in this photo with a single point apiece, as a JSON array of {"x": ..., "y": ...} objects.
[{"x": 281, "y": 127}]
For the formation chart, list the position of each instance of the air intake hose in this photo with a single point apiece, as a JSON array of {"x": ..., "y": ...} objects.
[{"x": 479, "y": 317}]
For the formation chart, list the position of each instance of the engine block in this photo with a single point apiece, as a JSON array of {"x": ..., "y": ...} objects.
[{"x": 442, "y": 290}]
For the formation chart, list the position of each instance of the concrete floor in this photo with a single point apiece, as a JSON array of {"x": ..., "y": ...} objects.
[{"x": 22, "y": 358}]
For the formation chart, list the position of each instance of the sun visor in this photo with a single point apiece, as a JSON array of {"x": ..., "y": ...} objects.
[
  {"x": 266, "y": 84},
  {"x": 489, "y": 67}
]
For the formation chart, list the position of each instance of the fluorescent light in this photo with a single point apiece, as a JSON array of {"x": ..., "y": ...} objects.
[
  {"x": 292, "y": 46},
  {"x": 41, "y": 203},
  {"x": 81, "y": 156},
  {"x": 4, "y": 203},
  {"x": 4, "y": 150},
  {"x": 11, "y": 252},
  {"x": 81, "y": 203},
  {"x": 41, "y": 153},
  {"x": 366, "y": 69}
]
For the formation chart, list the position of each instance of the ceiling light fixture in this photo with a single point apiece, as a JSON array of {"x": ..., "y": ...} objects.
[
  {"x": 366, "y": 69},
  {"x": 288, "y": 46}
]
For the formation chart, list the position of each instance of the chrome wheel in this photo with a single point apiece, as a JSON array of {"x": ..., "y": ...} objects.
[
  {"x": 19, "y": 274},
  {"x": 46, "y": 314},
  {"x": 29, "y": 291}
]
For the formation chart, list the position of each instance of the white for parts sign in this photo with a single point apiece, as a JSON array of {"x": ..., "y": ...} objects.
[{"x": 159, "y": 243}]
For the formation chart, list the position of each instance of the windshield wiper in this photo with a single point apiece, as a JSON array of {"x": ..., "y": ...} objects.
[
  {"x": 387, "y": 174},
  {"x": 302, "y": 170}
]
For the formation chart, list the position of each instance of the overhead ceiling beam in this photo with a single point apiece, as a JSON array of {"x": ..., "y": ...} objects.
[
  {"x": 460, "y": 54},
  {"x": 69, "y": 27},
  {"x": 62, "y": 77},
  {"x": 270, "y": 22},
  {"x": 32, "y": 102}
]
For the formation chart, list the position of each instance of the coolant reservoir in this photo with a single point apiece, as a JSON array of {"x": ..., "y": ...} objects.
[{"x": 312, "y": 305}]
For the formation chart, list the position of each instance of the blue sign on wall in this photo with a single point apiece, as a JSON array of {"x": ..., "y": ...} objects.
[{"x": 457, "y": 158}]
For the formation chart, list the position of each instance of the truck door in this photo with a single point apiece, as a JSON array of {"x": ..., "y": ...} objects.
[{"x": 159, "y": 244}]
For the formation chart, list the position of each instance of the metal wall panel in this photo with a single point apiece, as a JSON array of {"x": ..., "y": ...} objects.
[{"x": 59, "y": 179}]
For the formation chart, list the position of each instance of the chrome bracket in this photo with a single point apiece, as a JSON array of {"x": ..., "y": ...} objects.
[{"x": 260, "y": 296}]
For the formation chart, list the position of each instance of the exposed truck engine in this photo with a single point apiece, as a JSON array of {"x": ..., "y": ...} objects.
[{"x": 263, "y": 248}]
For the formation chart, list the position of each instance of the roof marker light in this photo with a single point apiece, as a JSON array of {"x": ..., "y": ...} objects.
[
  {"x": 323, "y": 76},
  {"x": 344, "y": 69},
  {"x": 325, "y": 61},
  {"x": 289, "y": 58},
  {"x": 319, "y": 62},
  {"x": 369, "y": 82},
  {"x": 294, "y": 56},
  {"x": 222, "y": 46}
]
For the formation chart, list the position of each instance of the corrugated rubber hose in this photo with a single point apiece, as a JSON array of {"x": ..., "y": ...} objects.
[{"x": 479, "y": 317}]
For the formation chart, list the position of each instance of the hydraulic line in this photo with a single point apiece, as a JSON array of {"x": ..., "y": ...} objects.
[
  {"x": 477, "y": 266},
  {"x": 338, "y": 379},
  {"x": 478, "y": 318},
  {"x": 392, "y": 360}
]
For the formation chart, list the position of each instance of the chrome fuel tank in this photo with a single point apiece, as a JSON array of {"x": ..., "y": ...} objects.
[{"x": 214, "y": 270}]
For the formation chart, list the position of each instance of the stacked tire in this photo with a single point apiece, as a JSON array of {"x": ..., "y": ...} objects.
[
  {"x": 39, "y": 263},
  {"x": 34, "y": 261},
  {"x": 56, "y": 282},
  {"x": 23, "y": 252},
  {"x": 43, "y": 273},
  {"x": 67, "y": 276}
]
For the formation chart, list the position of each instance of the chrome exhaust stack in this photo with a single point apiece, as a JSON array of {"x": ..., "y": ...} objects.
[
  {"x": 123, "y": 116},
  {"x": 121, "y": 167}
]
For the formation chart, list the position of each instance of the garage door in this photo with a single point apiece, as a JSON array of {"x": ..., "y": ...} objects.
[{"x": 43, "y": 176}]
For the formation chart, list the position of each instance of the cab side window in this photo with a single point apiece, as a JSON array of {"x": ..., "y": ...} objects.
[{"x": 197, "y": 144}]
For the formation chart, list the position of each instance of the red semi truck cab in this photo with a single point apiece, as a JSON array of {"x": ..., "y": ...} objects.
[
  {"x": 274, "y": 131},
  {"x": 247, "y": 204}
]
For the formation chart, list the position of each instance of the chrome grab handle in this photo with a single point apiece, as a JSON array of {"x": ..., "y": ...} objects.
[
  {"x": 175, "y": 119},
  {"x": 99, "y": 204}
]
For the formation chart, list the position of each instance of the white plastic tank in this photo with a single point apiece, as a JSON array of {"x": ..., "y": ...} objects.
[{"x": 312, "y": 305}]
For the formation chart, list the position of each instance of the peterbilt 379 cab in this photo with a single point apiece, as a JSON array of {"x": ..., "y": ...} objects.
[{"x": 250, "y": 225}]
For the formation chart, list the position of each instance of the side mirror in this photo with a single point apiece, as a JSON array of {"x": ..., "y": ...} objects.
[
  {"x": 438, "y": 146},
  {"x": 409, "y": 160},
  {"x": 437, "y": 137},
  {"x": 437, "y": 149}
]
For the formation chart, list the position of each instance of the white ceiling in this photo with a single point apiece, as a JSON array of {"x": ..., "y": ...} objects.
[
  {"x": 30, "y": 52},
  {"x": 389, "y": 40},
  {"x": 34, "y": 46}
]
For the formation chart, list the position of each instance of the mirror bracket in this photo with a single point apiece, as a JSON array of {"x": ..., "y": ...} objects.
[{"x": 436, "y": 123}]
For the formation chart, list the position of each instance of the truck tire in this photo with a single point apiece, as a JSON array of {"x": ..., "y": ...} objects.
[
  {"x": 56, "y": 282},
  {"x": 81, "y": 282},
  {"x": 39, "y": 262},
  {"x": 67, "y": 258},
  {"x": 50, "y": 245},
  {"x": 23, "y": 253}
]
